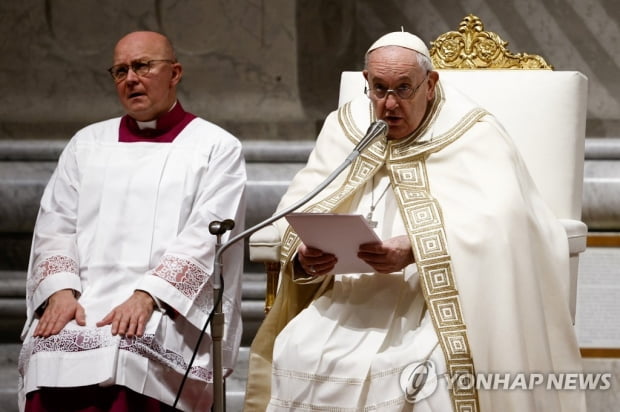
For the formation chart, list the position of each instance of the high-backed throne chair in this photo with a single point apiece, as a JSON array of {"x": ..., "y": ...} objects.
[{"x": 543, "y": 110}]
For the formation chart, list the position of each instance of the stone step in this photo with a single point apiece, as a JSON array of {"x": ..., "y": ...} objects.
[
  {"x": 12, "y": 284},
  {"x": 254, "y": 151},
  {"x": 270, "y": 166},
  {"x": 22, "y": 184},
  {"x": 9, "y": 355}
]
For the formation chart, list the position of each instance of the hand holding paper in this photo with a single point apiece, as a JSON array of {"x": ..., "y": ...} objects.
[
  {"x": 389, "y": 256},
  {"x": 338, "y": 234},
  {"x": 314, "y": 261}
]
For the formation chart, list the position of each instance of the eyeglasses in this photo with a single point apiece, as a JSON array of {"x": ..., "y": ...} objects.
[
  {"x": 119, "y": 72},
  {"x": 402, "y": 92}
]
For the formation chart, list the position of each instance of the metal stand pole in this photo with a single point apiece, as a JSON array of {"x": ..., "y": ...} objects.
[
  {"x": 376, "y": 130},
  {"x": 217, "y": 323},
  {"x": 217, "y": 333}
]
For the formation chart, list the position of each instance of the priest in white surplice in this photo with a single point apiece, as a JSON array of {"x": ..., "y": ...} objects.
[
  {"x": 119, "y": 282},
  {"x": 467, "y": 279}
]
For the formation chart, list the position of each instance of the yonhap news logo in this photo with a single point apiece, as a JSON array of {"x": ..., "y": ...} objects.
[{"x": 420, "y": 380}]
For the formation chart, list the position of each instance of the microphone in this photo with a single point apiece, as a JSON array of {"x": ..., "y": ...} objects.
[
  {"x": 219, "y": 228},
  {"x": 376, "y": 130}
]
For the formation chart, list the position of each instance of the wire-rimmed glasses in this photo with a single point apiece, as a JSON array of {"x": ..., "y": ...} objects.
[
  {"x": 119, "y": 71},
  {"x": 404, "y": 91}
]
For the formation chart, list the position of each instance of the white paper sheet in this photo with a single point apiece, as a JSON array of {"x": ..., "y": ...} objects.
[{"x": 339, "y": 234}]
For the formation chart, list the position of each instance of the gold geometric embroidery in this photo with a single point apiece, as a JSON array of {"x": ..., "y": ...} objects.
[
  {"x": 351, "y": 130},
  {"x": 423, "y": 219},
  {"x": 362, "y": 169},
  {"x": 377, "y": 151},
  {"x": 439, "y": 278},
  {"x": 345, "y": 118},
  {"x": 330, "y": 202},
  {"x": 410, "y": 195},
  {"x": 424, "y": 215},
  {"x": 289, "y": 240},
  {"x": 317, "y": 208},
  {"x": 447, "y": 311},
  {"x": 464, "y": 383},
  {"x": 466, "y": 405},
  {"x": 402, "y": 151},
  {"x": 413, "y": 175},
  {"x": 431, "y": 245},
  {"x": 457, "y": 343}
]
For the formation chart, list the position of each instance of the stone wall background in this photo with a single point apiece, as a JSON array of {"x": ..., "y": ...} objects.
[
  {"x": 582, "y": 35},
  {"x": 269, "y": 69},
  {"x": 239, "y": 60}
]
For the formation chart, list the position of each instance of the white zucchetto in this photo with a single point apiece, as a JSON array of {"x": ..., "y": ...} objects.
[{"x": 401, "y": 39}]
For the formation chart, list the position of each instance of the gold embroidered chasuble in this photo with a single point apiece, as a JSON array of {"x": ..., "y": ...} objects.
[
  {"x": 421, "y": 213},
  {"x": 406, "y": 162}
]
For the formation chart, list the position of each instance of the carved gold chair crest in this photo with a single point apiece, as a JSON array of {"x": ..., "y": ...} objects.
[{"x": 471, "y": 47}]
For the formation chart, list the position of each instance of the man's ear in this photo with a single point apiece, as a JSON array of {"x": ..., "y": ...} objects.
[
  {"x": 177, "y": 73},
  {"x": 433, "y": 78}
]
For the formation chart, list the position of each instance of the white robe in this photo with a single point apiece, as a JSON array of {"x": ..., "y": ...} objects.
[
  {"x": 493, "y": 259},
  {"x": 116, "y": 217},
  {"x": 372, "y": 326}
]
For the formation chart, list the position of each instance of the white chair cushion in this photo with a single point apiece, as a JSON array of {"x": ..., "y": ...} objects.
[{"x": 265, "y": 245}]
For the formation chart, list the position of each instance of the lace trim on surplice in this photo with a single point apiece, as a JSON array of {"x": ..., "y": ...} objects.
[
  {"x": 68, "y": 341},
  {"x": 188, "y": 278},
  {"x": 51, "y": 266}
]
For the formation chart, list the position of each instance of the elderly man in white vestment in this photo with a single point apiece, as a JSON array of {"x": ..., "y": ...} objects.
[
  {"x": 119, "y": 282},
  {"x": 466, "y": 279}
]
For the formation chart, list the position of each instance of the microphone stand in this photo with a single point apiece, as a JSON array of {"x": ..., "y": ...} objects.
[
  {"x": 375, "y": 131},
  {"x": 217, "y": 323}
]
